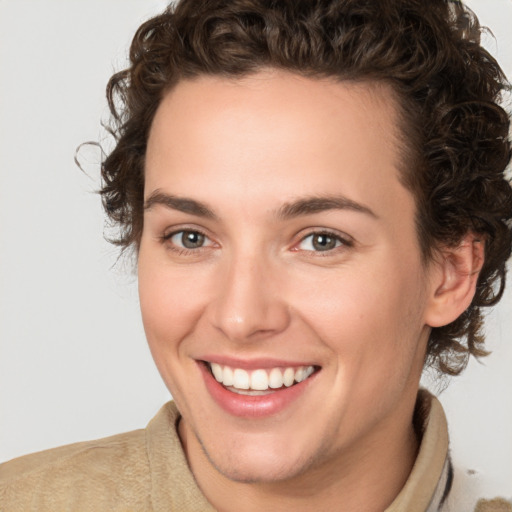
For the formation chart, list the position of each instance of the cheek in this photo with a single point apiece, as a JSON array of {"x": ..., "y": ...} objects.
[
  {"x": 171, "y": 299},
  {"x": 170, "y": 306},
  {"x": 369, "y": 316}
]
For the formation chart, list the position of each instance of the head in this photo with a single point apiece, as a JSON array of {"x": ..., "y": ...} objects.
[
  {"x": 452, "y": 134},
  {"x": 316, "y": 185}
]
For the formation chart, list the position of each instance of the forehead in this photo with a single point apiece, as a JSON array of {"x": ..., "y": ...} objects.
[{"x": 275, "y": 134}]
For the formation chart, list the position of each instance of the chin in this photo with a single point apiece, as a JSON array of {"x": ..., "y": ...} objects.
[
  {"x": 261, "y": 472},
  {"x": 247, "y": 461}
]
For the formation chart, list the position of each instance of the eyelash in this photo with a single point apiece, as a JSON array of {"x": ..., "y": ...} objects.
[
  {"x": 184, "y": 251},
  {"x": 341, "y": 242}
]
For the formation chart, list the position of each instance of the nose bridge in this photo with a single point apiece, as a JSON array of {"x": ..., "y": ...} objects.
[{"x": 248, "y": 304}]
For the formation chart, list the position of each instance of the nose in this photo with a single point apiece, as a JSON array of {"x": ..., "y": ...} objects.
[{"x": 248, "y": 305}]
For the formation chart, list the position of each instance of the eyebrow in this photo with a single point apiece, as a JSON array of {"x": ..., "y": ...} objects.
[
  {"x": 182, "y": 204},
  {"x": 302, "y": 206},
  {"x": 317, "y": 204}
]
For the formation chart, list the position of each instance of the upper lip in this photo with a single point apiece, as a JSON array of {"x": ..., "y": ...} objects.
[{"x": 254, "y": 363}]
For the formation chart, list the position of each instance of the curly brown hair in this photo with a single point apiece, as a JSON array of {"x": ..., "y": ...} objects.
[{"x": 455, "y": 134}]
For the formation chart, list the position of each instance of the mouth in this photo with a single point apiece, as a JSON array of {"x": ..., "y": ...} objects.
[
  {"x": 258, "y": 388},
  {"x": 261, "y": 381}
]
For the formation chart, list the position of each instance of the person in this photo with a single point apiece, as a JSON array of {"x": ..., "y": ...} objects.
[{"x": 315, "y": 194}]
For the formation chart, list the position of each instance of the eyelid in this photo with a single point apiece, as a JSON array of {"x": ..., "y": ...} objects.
[
  {"x": 169, "y": 233},
  {"x": 345, "y": 241}
]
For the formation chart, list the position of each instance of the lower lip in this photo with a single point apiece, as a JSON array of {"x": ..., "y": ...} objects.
[{"x": 252, "y": 406}]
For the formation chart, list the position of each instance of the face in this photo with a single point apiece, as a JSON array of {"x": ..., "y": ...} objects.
[{"x": 281, "y": 284}]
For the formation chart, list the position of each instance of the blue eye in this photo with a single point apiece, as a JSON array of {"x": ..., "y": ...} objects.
[{"x": 321, "y": 242}]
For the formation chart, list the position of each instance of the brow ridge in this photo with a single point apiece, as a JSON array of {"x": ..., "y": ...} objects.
[
  {"x": 317, "y": 204},
  {"x": 182, "y": 204},
  {"x": 300, "y": 207}
]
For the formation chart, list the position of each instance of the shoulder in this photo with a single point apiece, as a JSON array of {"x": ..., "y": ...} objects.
[
  {"x": 113, "y": 470},
  {"x": 142, "y": 470}
]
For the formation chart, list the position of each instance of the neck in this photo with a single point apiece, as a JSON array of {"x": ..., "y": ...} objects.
[{"x": 367, "y": 476}]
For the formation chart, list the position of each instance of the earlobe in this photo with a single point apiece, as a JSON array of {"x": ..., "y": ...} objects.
[{"x": 454, "y": 280}]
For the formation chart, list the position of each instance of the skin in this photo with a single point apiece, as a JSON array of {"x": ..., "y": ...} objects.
[{"x": 361, "y": 312}]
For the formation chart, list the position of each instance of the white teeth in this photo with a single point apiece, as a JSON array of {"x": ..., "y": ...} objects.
[
  {"x": 308, "y": 371},
  {"x": 288, "y": 377},
  {"x": 255, "y": 382},
  {"x": 259, "y": 380},
  {"x": 217, "y": 371},
  {"x": 228, "y": 378},
  {"x": 241, "y": 379},
  {"x": 249, "y": 392},
  {"x": 303, "y": 373},
  {"x": 275, "y": 378},
  {"x": 299, "y": 375}
]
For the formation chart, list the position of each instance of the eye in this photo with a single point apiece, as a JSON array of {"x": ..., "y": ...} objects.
[
  {"x": 188, "y": 239},
  {"x": 321, "y": 242}
]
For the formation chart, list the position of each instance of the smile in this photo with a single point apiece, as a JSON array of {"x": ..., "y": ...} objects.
[
  {"x": 257, "y": 390},
  {"x": 259, "y": 381}
]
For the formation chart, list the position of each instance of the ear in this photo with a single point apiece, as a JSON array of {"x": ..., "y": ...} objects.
[{"x": 454, "y": 274}]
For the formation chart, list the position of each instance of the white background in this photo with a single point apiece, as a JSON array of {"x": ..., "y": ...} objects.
[{"x": 74, "y": 364}]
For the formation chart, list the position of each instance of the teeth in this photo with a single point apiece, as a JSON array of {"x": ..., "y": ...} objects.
[
  {"x": 246, "y": 382},
  {"x": 275, "y": 378},
  {"x": 299, "y": 375},
  {"x": 248, "y": 392},
  {"x": 241, "y": 379},
  {"x": 217, "y": 371},
  {"x": 288, "y": 377},
  {"x": 259, "y": 380},
  {"x": 228, "y": 378}
]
